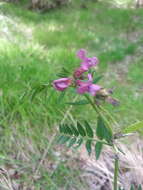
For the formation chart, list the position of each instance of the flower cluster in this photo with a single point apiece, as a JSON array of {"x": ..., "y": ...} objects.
[
  {"x": 84, "y": 86},
  {"x": 86, "y": 63}
]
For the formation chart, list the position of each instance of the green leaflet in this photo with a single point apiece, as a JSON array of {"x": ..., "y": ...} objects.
[
  {"x": 63, "y": 139},
  {"x": 72, "y": 142},
  {"x": 121, "y": 188},
  {"x": 139, "y": 187},
  {"x": 89, "y": 130},
  {"x": 134, "y": 127},
  {"x": 132, "y": 187},
  {"x": 65, "y": 129},
  {"x": 79, "y": 142},
  {"x": 102, "y": 131},
  {"x": 64, "y": 73},
  {"x": 74, "y": 130},
  {"x": 81, "y": 130},
  {"x": 98, "y": 149},
  {"x": 61, "y": 128},
  {"x": 88, "y": 146}
]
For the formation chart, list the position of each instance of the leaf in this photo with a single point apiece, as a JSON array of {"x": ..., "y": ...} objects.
[
  {"x": 89, "y": 130},
  {"x": 97, "y": 79},
  {"x": 61, "y": 128},
  {"x": 98, "y": 148},
  {"x": 78, "y": 103},
  {"x": 132, "y": 187},
  {"x": 64, "y": 73},
  {"x": 72, "y": 142},
  {"x": 88, "y": 146},
  {"x": 121, "y": 188},
  {"x": 67, "y": 130},
  {"x": 102, "y": 131},
  {"x": 139, "y": 187},
  {"x": 79, "y": 142},
  {"x": 81, "y": 130},
  {"x": 134, "y": 127},
  {"x": 99, "y": 129},
  {"x": 52, "y": 92},
  {"x": 63, "y": 139},
  {"x": 37, "y": 90},
  {"x": 74, "y": 130},
  {"x": 61, "y": 96}
]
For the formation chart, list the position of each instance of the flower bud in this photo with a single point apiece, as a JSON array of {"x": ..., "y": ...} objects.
[{"x": 62, "y": 83}]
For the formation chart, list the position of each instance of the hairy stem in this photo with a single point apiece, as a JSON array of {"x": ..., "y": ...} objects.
[
  {"x": 109, "y": 115},
  {"x": 116, "y": 170}
]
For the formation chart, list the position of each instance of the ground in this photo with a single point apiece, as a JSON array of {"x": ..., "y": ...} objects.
[{"x": 33, "y": 48}]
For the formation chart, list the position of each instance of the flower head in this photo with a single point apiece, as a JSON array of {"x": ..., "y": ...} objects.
[
  {"x": 93, "y": 89},
  {"x": 62, "y": 83},
  {"x": 79, "y": 71},
  {"x": 81, "y": 54},
  {"x": 86, "y": 63},
  {"x": 87, "y": 86}
]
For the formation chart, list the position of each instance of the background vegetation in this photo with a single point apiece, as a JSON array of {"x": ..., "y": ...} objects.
[{"x": 34, "y": 46}]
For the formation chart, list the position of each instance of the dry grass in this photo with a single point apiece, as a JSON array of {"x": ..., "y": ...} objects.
[
  {"x": 99, "y": 174},
  {"x": 86, "y": 171}
]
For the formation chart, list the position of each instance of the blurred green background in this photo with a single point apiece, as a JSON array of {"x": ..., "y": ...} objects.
[{"x": 36, "y": 41}]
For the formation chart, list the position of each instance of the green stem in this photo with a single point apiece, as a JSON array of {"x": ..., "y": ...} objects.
[
  {"x": 92, "y": 104},
  {"x": 116, "y": 164},
  {"x": 116, "y": 170},
  {"x": 98, "y": 112}
]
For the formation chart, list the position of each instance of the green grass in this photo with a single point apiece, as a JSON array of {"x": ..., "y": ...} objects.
[{"x": 33, "y": 48}]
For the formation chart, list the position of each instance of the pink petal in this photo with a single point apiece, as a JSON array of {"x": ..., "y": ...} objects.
[
  {"x": 61, "y": 80},
  {"x": 62, "y": 84},
  {"x": 82, "y": 89},
  {"x": 90, "y": 79},
  {"x": 79, "y": 71},
  {"x": 93, "y": 89},
  {"x": 82, "y": 54},
  {"x": 94, "y": 61}
]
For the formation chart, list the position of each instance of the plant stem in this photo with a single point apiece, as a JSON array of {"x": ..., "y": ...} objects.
[
  {"x": 92, "y": 104},
  {"x": 98, "y": 112},
  {"x": 116, "y": 170}
]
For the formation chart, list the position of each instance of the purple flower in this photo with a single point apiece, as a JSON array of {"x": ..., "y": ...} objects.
[
  {"x": 79, "y": 71},
  {"x": 87, "y": 86},
  {"x": 91, "y": 62},
  {"x": 81, "y": 54},
  {"x": 93, "y": 89},
  {"x": 62, "y": 83},
  {"x": 86, "y": 63}
]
